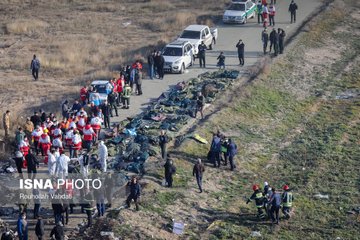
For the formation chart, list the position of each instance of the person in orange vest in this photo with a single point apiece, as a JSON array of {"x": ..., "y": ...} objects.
[
  {"x": 89, "y": 136},
  {"x": 77, "y": 142},
  {"x": 96, "y": 125},
  {"x": 83, "y": 94},
  {"x": 36, "y": 134},
  {"x": 45, "y": 143}
]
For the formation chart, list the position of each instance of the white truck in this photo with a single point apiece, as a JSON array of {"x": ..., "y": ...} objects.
[{"x": 195, "y": 34}]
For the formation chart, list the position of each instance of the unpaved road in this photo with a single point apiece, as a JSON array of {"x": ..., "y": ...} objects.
[{"x": 229, "y": 35}]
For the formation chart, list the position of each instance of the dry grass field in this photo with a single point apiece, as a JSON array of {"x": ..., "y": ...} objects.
[{"x": 79, "y": 40}]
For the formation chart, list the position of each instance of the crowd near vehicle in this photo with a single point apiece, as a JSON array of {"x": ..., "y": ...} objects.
[
  {"x": 178, "y": 56},
  {"x": 239, "y": 11},
  {"x": 196, "y": 34},
  {"x": 102, "y": 88}
]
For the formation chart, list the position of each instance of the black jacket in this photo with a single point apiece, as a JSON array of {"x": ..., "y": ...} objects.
[
  {"x": 198, "y": 170},
  {"x": 170, "y": 169},
  {"x": 39, "y": 228},
  {"x": 293, "y": 7},
  {"x": 163, "y": 139},
  {"x": 105, "y": 109},
  {"x": 32, "y": 161},
  {"x": 240, "y": 48},
  {"x": 135, "y": 189},
  {"x": 58, "y": 231},
  {"x": 36, "y": 120},
  {"x": 151, "y": 59}
]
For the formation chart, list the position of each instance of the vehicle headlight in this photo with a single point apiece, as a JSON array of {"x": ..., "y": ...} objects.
[
  {"x": 239, "y": 17},
  {"x": 177, "y": 62},
  {"x": 225, "y": 17}
]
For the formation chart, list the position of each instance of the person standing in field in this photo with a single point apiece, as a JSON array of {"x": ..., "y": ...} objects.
[
  {"x": 35, "y": 67},
  {"x": 6, "y": 123}
]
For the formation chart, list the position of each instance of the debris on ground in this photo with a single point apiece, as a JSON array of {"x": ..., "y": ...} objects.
[
  {"x": 321, "y": 196},
  {"x": 255, "y": 234},
  {"x": 130, "y": 148}
]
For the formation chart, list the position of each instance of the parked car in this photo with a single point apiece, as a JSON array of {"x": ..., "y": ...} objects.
[
  {"x": 195, "y": 34},
  {"x": 102, "y": 89},
  {"x": 239, "y": 12},
  {"x": 178, "y": 56}
]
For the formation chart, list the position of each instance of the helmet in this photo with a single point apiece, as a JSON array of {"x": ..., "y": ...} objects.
[
  {"x": 255, "y": 187},
  {"x": 46, "y": 131},
  {"x": 286, "y": 187}
]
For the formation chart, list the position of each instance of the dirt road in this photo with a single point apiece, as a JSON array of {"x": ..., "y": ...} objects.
[{"x": 229, "y": 35}]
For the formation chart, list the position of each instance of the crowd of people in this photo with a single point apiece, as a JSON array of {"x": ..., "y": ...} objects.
[{"x": 269, "y": 201}]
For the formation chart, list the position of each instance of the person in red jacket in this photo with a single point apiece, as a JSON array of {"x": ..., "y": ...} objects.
[
  {"x": 36, "y": 134},
  {"x": 96, "y": 125},
  {"x": 77, "y": 142},
  {"x": 82, "y": 119},
  {"x": 272, "y": 15},
  {"x": 44, "y": 143},
  {"x": 83, "y": 94},
  {"x": 89, "y": 136},
  {"x": 120, "y": 83}
]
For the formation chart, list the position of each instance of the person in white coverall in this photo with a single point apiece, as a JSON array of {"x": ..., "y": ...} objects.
[
  {"x": 84, "y": 160},
  {"x": 62, "y": 166},
  {"x": 103, "y": 153},
  {"x": 51, "y": 162}
]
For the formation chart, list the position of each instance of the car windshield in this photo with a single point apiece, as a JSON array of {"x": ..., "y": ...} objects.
[
  {"x": 100, "y": 88},
  {"x": 171, "y": 51},
  {"x": 190, "y": 34},
  {"x": 237, "y": 7}
]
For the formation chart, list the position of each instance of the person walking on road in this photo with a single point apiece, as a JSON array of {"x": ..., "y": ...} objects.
[
  {"x": 126, "y": 96},
  {"x": 282, "y": 35},
  {"x": 151, "y": 64},
  {"x": 198, "y": 172},
  {"x": 292, "y": 9},
  {"x": 112, "y": 104},
  {"x": 163, "y": 140},
  {"x": 106, "y": 110},
  {"x": 159, "y": 64},
  {"x": 35, "y": 67},
  {"x": 272, "y": 15},
  {"x": 201, "y": 54},
  {"x": 241, "y": 48},
  {"x": 265, "y": 39},
  {"x": 138, "y": 80},
  {"x": 6, "y": 123},
  {"x": 258, "y": 9},
  {"x": 170, "y": 169}
]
